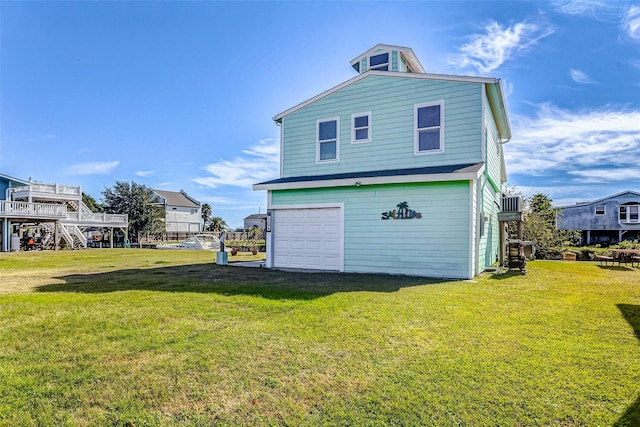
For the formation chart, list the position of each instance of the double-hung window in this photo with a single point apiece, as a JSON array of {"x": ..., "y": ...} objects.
[
  {"x": 429, "y": 127},
  {"x": 361, "y": 127},
  {"x": 600, "y": 210},
  {"x": 328, "y": 140},
  {"x": 630, "y": 213}
]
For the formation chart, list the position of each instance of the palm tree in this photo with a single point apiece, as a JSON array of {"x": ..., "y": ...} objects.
[
  {"x": 218, "y": 224},
  {"x": 206, "y": 215}
]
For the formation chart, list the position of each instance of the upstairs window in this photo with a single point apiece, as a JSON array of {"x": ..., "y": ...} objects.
[
  {"x": 629, "y": 213},
  {"x": 599, "y": 210},
  {"x": 328, "y": 141},
  {"x": 360, "y": 127},
  {"x": 429, "y": 127},
  {"x": 379, "y": 62}
]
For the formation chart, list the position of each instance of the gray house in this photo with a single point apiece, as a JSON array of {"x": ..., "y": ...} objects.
[
  {"x": 183, "y": 214},
  {"x": 610, "y": 219},
  {"x": 256, "y": 220}
]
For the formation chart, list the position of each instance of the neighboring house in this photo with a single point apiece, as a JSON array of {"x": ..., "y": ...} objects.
[
  {"x": 183, "y": 214},
  {"x": 610, "y": 219},
  {"x": 55, "y": 211},
  {"x": 256, "y": 220},
  {"x": 393, "y": 171}
]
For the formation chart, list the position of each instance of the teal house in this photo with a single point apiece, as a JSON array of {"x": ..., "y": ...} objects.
[{"x": 394, "y": 171}]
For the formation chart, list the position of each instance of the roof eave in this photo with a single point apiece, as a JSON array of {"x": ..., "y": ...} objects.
[
  {"x": 363, "y": 181},
  {"x": 498, "y": 105}
]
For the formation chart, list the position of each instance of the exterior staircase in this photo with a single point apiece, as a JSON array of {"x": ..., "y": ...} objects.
[{"x": 48, "y": 204}]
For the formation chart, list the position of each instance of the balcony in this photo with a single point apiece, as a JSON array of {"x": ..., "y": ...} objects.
[
  {"x": 38, "y": 191},
  {"x": 510, "y": 209},
  {"x": 32, "y": 211}
]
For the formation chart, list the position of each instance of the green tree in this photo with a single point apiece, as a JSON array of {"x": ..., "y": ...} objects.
[
  {"x": 91, "y": 203},
  {"x": 139, "y": 202},
  {"x": 218, "y": 224},
  {"x": 540, "y": 226},
  {"x": 206, "y": 216}
]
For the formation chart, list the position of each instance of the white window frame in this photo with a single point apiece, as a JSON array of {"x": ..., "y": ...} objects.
[
  {"x": 416, "y": 131},
  {"x": 318, "y": 142},
  {"x": 604, "y": 210},
  {"x": 627, "y": 219},
  {"x": 354, "y": 128},
  {"x": 381, "y": 65}
]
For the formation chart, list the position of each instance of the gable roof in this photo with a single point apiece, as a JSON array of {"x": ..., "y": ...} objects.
[
  {"x": 493, "y": 89},
  {"x": 602, "y": 199},
  {"x": 462, "y": 172},
  {"x": 256, "y": 216},
  {"x": 180, "y": 198},
  {"x": 11, "y": 179}
]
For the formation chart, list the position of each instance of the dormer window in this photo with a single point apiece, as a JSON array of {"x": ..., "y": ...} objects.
[
  {"x": 379, "y": 62},
  {"x": 385, "y": 57}
]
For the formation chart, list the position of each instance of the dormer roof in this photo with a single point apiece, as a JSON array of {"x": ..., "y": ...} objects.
[{"x": 386, "y": 57}]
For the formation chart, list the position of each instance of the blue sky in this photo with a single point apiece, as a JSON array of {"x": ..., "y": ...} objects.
[{"x": 181, "y": 95}]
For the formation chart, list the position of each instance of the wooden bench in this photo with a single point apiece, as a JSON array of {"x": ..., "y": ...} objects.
[
  {"x": 605, "y": 259},
  {"x": 635, "y": 259}
]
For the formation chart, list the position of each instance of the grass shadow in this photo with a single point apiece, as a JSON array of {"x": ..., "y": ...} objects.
[
  {"x": 631, "y": 313},
  {"x": 507, "y": 275},
  {"x": 228, "y": 280},
  {"x": 615, "y": 268}
]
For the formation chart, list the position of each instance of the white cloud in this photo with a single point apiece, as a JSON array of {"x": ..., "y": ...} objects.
[
  {"x": 602, "y": 143},
  {"x": 579, "y": 76},
  {"x": 261, "y": 163},
  {"x": 579, "y": 7},
  {"x": 599, "y": 176},
  {"x": 487, "y": 52},
  {"x": 91, "y": 168},
  {"x": 145, "y": 174},
  {"x": 631, "y": 22}
]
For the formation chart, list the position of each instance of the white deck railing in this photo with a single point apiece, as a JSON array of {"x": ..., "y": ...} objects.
[
  {"x": 32, "y": 210},
  {"x": 57, "y": 190},
  {"x": 97, "y": 218}
]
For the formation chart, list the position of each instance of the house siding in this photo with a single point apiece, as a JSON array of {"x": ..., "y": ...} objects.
[
  {"x": 182, "y": 219},
  {"x": 436, "y": 245},
  {"x": 391, "y": 101},
  {"x": 489, "y": 239}
]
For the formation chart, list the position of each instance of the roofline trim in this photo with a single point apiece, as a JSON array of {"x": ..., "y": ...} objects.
[
  {"x": 362, "y": 181},
  {"x": 579, "y": 204}
]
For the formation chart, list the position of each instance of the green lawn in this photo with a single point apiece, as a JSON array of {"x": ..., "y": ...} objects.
[{"x": 146, "y": 338}]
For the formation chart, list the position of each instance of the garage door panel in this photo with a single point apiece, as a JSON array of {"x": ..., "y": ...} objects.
[
  {"x": 314, "y": 229},
  {"x": 331, "y": 214},
  {"x": 307, "y": 238},
  {"x": 297, "y": 245},
  {"x": 298, "y": 214},
  {"x": 296, "y": 229}
]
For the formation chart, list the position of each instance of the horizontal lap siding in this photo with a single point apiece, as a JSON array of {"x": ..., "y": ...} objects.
[
  {"x": 391, "y": 101},
  {"x": 436, "y": 245}
]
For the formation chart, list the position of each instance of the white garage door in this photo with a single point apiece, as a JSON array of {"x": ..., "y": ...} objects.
[{"x": 307, "y": 238}]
